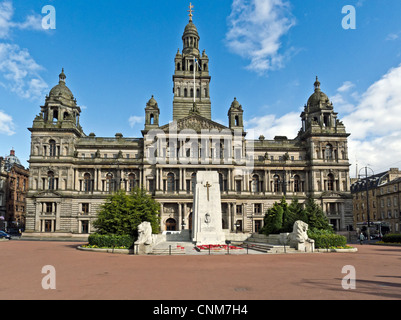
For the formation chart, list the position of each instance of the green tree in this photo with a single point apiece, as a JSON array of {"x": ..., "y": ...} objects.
[
  {"x": 273, "y": 221},
  {"x": 281, "y": 217},
  {"x": 316, "y": 217},
  {"x": 294, "y": 212},
  {"x": 122, "y": 213}
]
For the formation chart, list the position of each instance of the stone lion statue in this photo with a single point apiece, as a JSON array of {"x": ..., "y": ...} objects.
[
  {"x": 145, "y": 233},
  {"x": 299, "y": 232},
  {"x": 299, "y": 237}
]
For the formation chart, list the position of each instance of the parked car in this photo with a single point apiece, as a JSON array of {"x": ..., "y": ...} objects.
[{"x": 4, "y": 235}]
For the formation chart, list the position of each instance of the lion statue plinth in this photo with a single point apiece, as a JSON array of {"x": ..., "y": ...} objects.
[
  {"x": 145, "y": 238},
  {"x": 299, "y": 239}
]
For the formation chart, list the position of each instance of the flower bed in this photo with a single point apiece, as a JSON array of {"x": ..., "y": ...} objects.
[{"x": 218, "y": 247}]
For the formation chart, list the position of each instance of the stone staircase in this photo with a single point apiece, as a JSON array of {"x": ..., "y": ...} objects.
[
  {"x": 267, "y": 248},
  {"x": 268, "y": 244},
  {"x": 167, "y": 248}
]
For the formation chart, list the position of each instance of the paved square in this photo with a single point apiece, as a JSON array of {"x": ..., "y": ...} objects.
[{"x": 90, "y": 275}]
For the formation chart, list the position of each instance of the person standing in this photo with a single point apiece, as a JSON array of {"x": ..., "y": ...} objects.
[{"x": 361, "y": 238}]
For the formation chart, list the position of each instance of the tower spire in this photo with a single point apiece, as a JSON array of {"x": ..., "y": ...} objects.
[
  {"x": 190, "y": 11},
  {"x": 317, "y": 84},
  {"x": 62, "y": 76}
]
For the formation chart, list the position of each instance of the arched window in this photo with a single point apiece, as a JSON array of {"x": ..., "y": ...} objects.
[
  {"x": 255, "y": 183},
  {"x": 185, "y": 92},
  {"x": 198, "y": 93},
  {"x": 53, "y": 148},
  {"x": 171, "y": 224},
  {"x": 170, "y": 182},
  {"x": 191, "y": 67},
  {"x": 51, "y": 181},
  {"x": 178, "y": 66},
  {"x": 179, "y": 92},
  {"x": 330, "y": 182},
  {"x": 109, "y": 182},
  {"x": 205, "y": 92},
  {"x": 276, "y": 181},
  {"x": 131, "y": 181},
  {"x": 55, "y": 115},
  {"x": 87, "y": 182},
  {"x": 192, "y": 92},
  {"x": 236, "y": 121},
  {"x": 297, "y": 184},
  {"x": 152, "y": 118},
  {"x": 328, "y": 153},
  {"x": 326, "y": 120}
]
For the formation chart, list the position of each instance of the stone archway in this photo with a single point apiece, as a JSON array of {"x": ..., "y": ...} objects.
[{"x": 171, "y": 224}]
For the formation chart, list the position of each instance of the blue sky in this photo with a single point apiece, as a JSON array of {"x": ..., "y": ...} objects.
[{"x": 266, "y": 53}]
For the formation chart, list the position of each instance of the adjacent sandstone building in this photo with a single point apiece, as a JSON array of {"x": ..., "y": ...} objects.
[{"x": 13, "y": 191}]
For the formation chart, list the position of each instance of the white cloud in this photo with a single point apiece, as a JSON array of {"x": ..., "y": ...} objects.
[
  {"x": 32, "y": 22},
  {"x": 255, "y": 31},
  {"x": 373, "y": 118},
  {"x": 6, "y": 124},
  {"x": 392, "y": 36},
  {"x": 347, "y": 85},
  {"x": 378, "y": 113},
  {"x": 270, "y": 126},
  {"x": 6, "y": 13},
  {"x": 133, "y": 120},
  {"x": 19, "y": 72}
]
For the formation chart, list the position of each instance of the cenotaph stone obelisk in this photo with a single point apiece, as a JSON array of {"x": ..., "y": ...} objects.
[{"x": 207, "y": 222}]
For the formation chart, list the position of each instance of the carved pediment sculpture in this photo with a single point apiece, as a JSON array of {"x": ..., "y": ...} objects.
[{"x": 194, "y": 122}]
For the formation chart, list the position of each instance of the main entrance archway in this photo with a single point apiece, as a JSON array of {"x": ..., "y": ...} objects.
[{"x": 171, "y": 225}]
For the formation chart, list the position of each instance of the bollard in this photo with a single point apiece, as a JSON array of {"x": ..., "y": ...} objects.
[{"x": 169, "y": 250}]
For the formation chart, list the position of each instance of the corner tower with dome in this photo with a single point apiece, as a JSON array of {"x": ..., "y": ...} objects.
[{"x": 72, "y": 173}]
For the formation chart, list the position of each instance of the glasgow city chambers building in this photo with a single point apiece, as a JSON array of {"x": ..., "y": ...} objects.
[{"x": 72, "y": 173}]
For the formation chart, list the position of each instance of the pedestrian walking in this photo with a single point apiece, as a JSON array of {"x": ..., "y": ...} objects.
[{"x": 361, "y": 238}]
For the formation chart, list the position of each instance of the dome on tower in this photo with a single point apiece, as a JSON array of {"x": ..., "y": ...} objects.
[
  {"x": 235, "y": 105},
  {"x": 318, "y": 99},
  {"x": 61, "y": 90},
  {"x": 11, "y": 160},
  {"x": 152, "y": 103},
  {"x": 190, "y": 29}
]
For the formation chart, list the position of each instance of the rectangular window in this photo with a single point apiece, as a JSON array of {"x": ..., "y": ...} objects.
[
  {"x": 239, "y": 209},
  {"x": 84, "y": 226},
  {"x": 238, "y": 184},
  {"x": 85, "y": 208}
]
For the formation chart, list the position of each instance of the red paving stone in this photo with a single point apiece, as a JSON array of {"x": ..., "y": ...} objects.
[{"x": 90, "y": 275}]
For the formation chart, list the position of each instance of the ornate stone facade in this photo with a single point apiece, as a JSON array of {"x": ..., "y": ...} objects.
[{"x": 72, "y": 173}]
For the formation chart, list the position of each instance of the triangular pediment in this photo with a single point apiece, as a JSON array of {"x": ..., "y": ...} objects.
[
  {"x": 47, "y": 194},
  {"x": 195, "y": 122}
]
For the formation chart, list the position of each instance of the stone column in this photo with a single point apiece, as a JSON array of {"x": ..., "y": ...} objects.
[
  {"x": 229, "y": 216},
  {"x": 179, "y": 216},
  {"x": 180, "y": 180}
]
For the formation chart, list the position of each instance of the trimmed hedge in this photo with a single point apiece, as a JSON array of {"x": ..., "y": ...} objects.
[
  {"x": 392, "y": 238},
  {"x": 110, "y": 240},
  {"x": 327, "y": 240}
]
